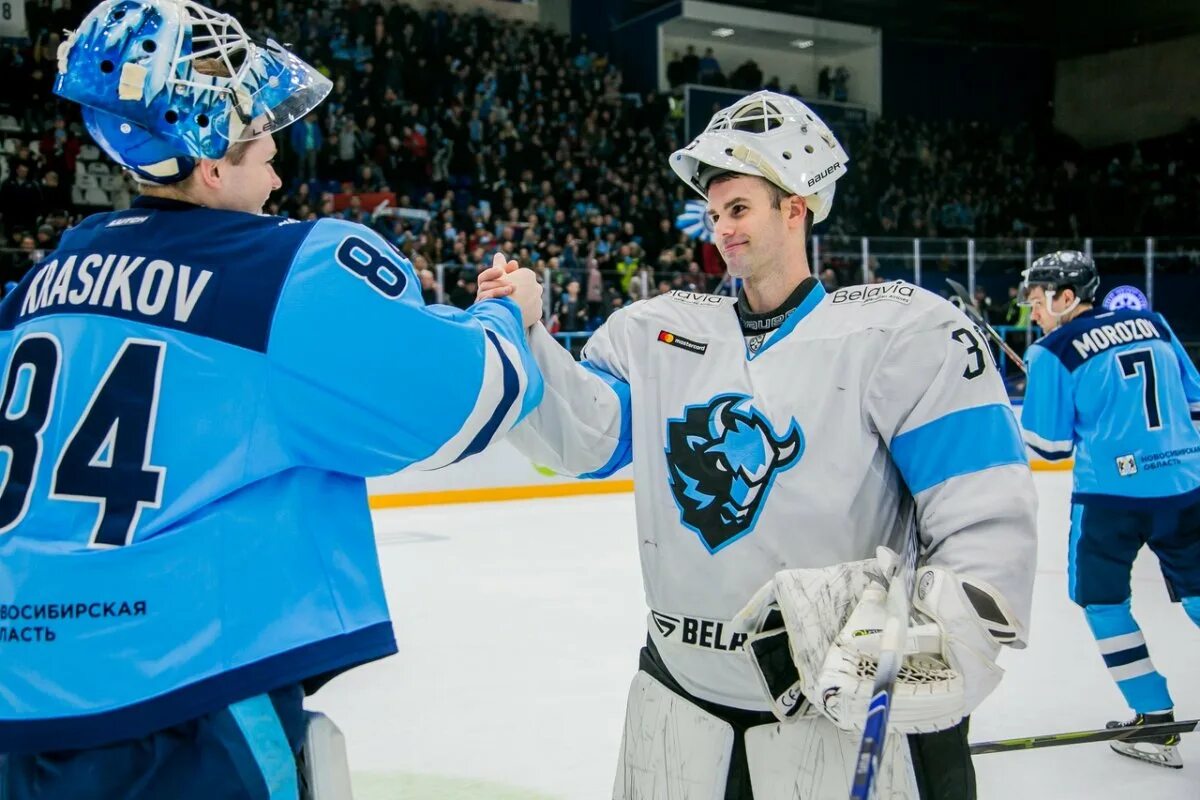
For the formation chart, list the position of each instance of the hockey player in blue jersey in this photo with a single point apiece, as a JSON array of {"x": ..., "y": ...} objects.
[
  {"x": 1118, "y": 390},
  {"x": 193, "y": 396}
]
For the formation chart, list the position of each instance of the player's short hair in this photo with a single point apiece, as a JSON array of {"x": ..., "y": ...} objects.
[
  {"x": 777, "y": 194},
  {"x": 236, "y": 153}
]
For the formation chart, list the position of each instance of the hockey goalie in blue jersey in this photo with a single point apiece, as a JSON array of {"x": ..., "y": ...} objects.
[
  {"x": 194, "y": 395},
  {"x": 1118, "y": 390}
]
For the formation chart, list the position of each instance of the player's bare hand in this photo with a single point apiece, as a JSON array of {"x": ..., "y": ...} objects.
[
  {"x": 493, "y": 281},
  {"x": 528, "y": 294}
]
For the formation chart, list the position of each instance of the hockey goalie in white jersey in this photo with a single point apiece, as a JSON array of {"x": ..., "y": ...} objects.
[{"x": 776, "y": 440}]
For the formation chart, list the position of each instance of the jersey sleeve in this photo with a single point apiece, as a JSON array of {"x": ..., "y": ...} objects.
[
  {"x": 366, "y": 379},
  {"x": 583, "y": 426},
  {"x": 1048, "y": 414},
  {"x": 1191, "y": 378},
  {"x": 937, "y": 401}
]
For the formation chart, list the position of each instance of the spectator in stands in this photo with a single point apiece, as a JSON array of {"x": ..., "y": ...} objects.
[
  {"x": 307, "y": 140},
  {"x": 25, "y": 157},
  {"x": 463, "y": 293},
  {"x": 710, "y": 69},
  {"x": 54, "y": 196},
  {"x": 429, "y": 292},
  {"x": 60, "y": 147},
  {"x": 627, "y": 264},
  {"x": 571, "y": 310},
  {"x": 691, "y": 65},
  {"x": 20, "y": 198},
  {"x": 748, "y": 77},
  {"x": 829, "y": 279},
  {"x": 348, "y": 143},
  {"x": 841, "y": 81},
  {"x": 595, "y": 292},
  {"x": 538, "y": 128},
  {"x": 30, "y": 252},
  {"x": 675, "y": 70}
]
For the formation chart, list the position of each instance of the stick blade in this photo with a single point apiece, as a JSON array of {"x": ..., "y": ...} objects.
[{"x": 958, "y": 288}]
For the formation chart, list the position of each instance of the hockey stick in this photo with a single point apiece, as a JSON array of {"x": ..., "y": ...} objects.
[
  {"x": 1128, "y": 733},
  {"x": 891, "y": 659},
  {"x": 968, "y": 307}
]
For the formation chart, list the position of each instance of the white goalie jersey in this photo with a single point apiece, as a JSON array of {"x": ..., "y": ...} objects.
[{"x": 797, "y": 450}]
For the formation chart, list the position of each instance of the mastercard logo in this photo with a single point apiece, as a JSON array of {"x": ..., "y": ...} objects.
[{"x": 663, "y": 336}]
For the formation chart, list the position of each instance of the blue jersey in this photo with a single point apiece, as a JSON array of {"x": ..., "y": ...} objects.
[
  {"x": 1119, "y": 390},
  {"x": 193, "y": 400}
]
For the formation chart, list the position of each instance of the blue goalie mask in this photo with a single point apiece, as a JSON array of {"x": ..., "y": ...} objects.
[{"x": 166, "y": 82}]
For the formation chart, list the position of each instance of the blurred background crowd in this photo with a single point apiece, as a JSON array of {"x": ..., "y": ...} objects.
[{"x": 454, "y": 134}]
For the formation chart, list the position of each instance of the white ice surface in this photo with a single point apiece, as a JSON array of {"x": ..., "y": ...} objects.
[{"x": 519, "y": 625}]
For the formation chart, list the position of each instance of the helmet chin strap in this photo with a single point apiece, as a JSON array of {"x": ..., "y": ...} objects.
[{"x": 1058, "y": 315}]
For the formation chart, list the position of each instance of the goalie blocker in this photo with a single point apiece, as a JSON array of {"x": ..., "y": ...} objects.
[{"x": 832, "y": 619}]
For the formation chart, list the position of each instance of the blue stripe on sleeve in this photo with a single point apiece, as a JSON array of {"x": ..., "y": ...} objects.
[
  {"x": 512, "y": 387},
  {"x": 959, "y": 443},
  {"x": 623, "y": 452},
  {"x": 502, "y": 315}
]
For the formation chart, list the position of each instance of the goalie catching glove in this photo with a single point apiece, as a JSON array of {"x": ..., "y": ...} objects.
[{"x": 818, "y": 638}]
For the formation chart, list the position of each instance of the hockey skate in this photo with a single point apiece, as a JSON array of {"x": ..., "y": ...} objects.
[{"x": 1160, "y": 750}]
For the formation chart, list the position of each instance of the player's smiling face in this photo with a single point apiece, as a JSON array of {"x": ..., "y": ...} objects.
[{"x": 748, "y": 229}]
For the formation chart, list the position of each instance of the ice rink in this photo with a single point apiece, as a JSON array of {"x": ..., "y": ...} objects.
[{"x": 519, "y": 625}]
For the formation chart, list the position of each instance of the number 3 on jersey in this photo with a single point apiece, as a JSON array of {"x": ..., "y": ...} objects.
[
  {"x": 975, "y": 349},
  {"x": 106, "y": 459}
]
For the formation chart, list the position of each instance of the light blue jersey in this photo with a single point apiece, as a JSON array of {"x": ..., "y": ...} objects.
[
  {"x": 1118, "y": 389},
  {"x": 193, "y": 400}
]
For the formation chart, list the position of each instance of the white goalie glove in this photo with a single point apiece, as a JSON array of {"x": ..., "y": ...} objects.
[{"x": 820, "y": 637}]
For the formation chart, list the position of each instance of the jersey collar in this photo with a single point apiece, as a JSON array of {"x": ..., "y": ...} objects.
[
  {"x": 807, "y": 296},
  {"x": 162, "y": 203}
]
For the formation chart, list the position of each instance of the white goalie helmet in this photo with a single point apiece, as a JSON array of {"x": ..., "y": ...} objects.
[{"x": 773, "y": 136}]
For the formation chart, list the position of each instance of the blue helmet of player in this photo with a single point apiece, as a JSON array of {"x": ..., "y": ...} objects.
[
  {"x": 1063, "y": 269},
  {"x": 166, "y": 82}
]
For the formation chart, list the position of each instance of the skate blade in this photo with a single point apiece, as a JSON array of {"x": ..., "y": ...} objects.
[{"x": 1157, "y": 754}]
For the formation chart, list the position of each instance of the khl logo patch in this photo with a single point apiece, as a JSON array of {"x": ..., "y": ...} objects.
[{"x": 722, "y": 458}]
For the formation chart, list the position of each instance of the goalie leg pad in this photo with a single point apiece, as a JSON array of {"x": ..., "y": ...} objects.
[
  {"x": 811, "y": 757},
  {"x": 671, "y": 748},
  {"x": 326, "y": 770}
]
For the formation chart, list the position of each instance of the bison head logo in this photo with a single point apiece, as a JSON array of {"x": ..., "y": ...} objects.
[{"x": 721, "y": 460}]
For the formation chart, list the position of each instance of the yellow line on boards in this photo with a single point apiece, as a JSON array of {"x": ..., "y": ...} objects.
[
  {"x": 1052, "y": 466},
  {"x": 491, "y": 494}
]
